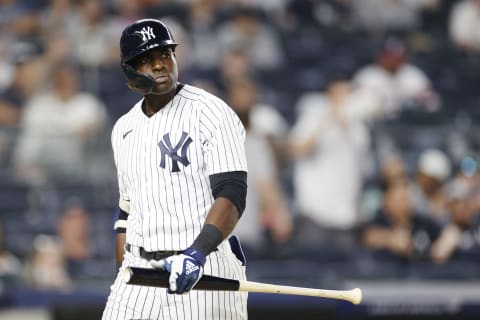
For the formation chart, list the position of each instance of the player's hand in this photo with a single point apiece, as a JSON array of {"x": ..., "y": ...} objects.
[{"x": 185, "y": 270}]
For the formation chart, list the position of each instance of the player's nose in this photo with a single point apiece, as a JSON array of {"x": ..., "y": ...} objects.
[{"x": 157, "y": 63}]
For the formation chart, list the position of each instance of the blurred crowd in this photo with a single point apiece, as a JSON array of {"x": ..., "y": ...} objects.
[{"x": 360, "y": 119}]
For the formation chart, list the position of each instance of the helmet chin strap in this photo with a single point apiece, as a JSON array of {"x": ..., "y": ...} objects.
[{"x": 138, "y": 82}]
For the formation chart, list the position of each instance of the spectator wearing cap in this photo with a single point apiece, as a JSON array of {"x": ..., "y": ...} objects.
[
  {"x": 397, "y": 83},
  {"x": 432, "y": 172}
]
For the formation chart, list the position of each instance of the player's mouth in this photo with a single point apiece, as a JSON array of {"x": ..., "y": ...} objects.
[{"x": 161, "y": 78}]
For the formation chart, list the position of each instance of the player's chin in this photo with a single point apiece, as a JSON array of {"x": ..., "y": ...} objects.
[{"x": 164, "y": 87}]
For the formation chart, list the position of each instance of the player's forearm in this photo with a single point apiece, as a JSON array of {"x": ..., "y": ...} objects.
[
  {"x": 120, "y": 240},
  {"x": 219, "y": 223},
  {"x": 120, "y": 228},
  {"x": 223, "y": 215}
]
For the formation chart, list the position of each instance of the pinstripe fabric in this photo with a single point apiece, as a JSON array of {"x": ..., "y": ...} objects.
[{"x": 163, "y": 164}]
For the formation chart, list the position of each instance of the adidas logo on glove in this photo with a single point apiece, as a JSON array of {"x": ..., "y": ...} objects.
[{"x": 190, "y": 267}]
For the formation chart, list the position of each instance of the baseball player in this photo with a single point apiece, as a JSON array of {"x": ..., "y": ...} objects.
[{"x": 182, "y": 174}]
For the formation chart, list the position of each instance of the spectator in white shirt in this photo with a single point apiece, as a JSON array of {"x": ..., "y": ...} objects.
[
  {"x": 330, "y": 148},
  {"x": 465, "y": 25},
  {"x": 56, "y": 127}
]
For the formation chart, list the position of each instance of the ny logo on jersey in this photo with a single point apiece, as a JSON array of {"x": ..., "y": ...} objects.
[
  {"x": 168, "y": 149},
  {"x": 146, "y": 33}
]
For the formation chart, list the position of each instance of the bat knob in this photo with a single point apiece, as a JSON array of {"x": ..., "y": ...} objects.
[
  {"x": 357, "y": 296},
  {"x": 126, "y": 274}
]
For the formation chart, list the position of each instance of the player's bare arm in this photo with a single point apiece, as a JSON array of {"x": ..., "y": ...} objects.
[
  {"x": 223, "y": 215},
  {"x": 120, "y": 228},
  {"x": 120, "y": 240}
]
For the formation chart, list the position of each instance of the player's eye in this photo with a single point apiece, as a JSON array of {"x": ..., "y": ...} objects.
[
  {"x": 165, "y": 55},
  {"x": 143, "y": 60}
]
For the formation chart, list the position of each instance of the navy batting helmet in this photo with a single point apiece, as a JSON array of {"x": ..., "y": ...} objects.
[{"x": 138, "y": 38}]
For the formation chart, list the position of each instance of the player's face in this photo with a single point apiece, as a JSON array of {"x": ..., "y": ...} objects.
[{"x": 160, "y": 63}]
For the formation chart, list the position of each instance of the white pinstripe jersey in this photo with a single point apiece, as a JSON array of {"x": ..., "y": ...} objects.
[{"x": 164, "y": 162}]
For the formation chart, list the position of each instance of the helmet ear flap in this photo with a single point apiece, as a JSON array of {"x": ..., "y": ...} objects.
[{"x": 138, "y": 82}]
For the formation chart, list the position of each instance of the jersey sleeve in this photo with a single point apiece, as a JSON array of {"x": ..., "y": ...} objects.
[
  {"x": 224, "y": 147},
  {"x": 122, "y": 186}
]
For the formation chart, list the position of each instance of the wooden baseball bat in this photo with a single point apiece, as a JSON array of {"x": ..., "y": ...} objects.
[{"x": 159, "y": 278}]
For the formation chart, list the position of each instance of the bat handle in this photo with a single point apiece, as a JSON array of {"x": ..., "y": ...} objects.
[{"x": 354, "y": 296}]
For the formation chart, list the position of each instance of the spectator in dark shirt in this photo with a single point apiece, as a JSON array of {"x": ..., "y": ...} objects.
[
  {"x": 10, "y": 265},
  {"x": 73, "y": 230},
  {"x": 397, "y": 230},
  {"x": 460, "y": 238}
]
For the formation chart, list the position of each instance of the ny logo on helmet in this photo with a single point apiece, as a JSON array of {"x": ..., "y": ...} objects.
[
  {"x": 146, "y": 33},
  {"x": 168, "y": 149}
]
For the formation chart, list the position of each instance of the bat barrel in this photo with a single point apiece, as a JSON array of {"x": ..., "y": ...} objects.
[{"x": 159, "y": 278}]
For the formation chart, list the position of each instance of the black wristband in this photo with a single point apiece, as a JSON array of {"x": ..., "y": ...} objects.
[
  {"x": 208, "y": 239},
  {"x": 122, "y": 214},
  {"x": 121, "y": 223}
]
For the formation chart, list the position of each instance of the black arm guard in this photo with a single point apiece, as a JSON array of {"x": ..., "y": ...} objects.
[{"x": 231, "y": 185}]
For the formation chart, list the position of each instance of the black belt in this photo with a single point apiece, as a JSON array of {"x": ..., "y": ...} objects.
[{"x": 151, "y": 255}]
